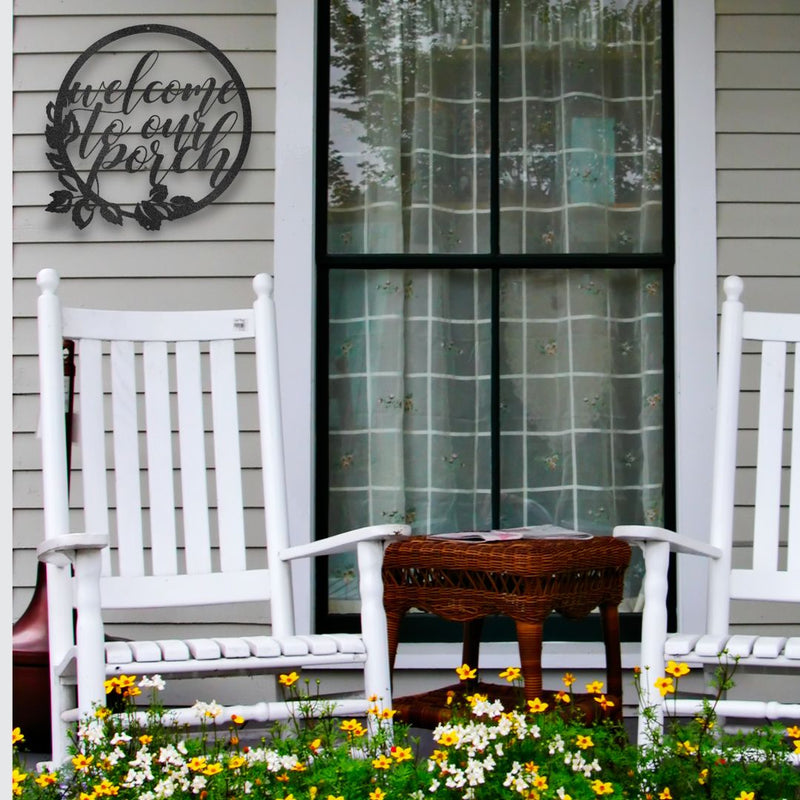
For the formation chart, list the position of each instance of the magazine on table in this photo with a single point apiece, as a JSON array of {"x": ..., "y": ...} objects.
[{"x": 508, "y": 534}]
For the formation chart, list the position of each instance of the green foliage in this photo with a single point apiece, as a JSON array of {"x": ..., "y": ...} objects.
[{"x": 484, "y": 752}]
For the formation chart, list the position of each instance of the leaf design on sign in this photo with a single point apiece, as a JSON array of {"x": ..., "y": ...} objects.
[{"x": 61, "y": 202}]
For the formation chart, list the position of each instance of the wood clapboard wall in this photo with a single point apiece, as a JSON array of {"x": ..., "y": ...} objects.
[
  {"x": 205, "y": 259},
  {"x": 758, "y": 197}
]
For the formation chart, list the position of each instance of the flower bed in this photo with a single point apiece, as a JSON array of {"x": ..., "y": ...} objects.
[{"x": 533, "y": 751}]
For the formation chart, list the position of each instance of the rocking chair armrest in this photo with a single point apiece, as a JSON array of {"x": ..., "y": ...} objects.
[
  {"x": 343, "y": 542},
  {"x": 644, "y": 534},
  {"x": 61, "y": 550}
]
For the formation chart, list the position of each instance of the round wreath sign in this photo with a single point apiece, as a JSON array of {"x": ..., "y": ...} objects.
[{"x": 167, "y": 131}]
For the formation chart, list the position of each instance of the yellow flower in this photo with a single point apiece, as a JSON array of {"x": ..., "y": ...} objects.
[
  {"x": 46, "y": 779},
  {"x": 677, "y": 670},
  {"x": 145, "y": 738},
  {"x": 16, "y": 779},
  {"x": 702, "y": 777},
  {"x": 287, "y": 797},
  {"x": 400, "y": 754},
  {"x": 16, "y": 736},
  {"x": 438, "y": 755},
  {"x": 87, "y": 796},
  {"x": 665, "y": 686},
  {"x": 126, "y": 682},
  {"x": 334, "y": 797},
  {"x": 666, "y": 794},
  {"x": 473, "y": 699},
  {"x": 353, "y": 727},
  {"x": 298, "y": 767},
  {"x": 537, "y": 706},
  {"x": 796, "y": 746},
  {"x": 595, "y": 687},
  {"x": 81, "y": 761},
  {"x": 102, "y": 712},
  {"x": 746, "y": 795},
  {"x": 540, "y": 782},
  {"x": 605, "y": 703},
  {"x": 793, "y": 732},
  {"x": 382, "y": 762},
  {"x": 562, "y": 697},
  {"x": 568, "y": 679},
  {"x": 511, "y": 674},
  {"x": 687, "y": 747},
  {"x": 237, "y": 720},
  {"x": 235, "y": 762},
  {"x": 602, "y": 787},
  {"x": 465, "y": 672},
  {"x": 213, "y": 769},
  {"x": 584, "y": 741},
  {"x": 315, "y": 745},
  {"x": 448, "y": 739},
  {"x": 387, "y": 713},
  {"x": 377, "y": 794},
  {"x": 288, "y": 680},
  {"x": 450, "y": 695},
  {"x": 197, "y": 763},
  {"x": 105, "y": 789}
]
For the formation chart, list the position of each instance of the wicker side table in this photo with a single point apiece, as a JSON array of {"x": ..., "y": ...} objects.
[{"x": 523, "y": 579}]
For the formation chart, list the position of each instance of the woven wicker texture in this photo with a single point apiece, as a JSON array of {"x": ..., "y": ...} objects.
[{"x": 522, "y": 579}]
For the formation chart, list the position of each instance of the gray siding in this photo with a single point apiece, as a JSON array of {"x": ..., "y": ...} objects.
[
  {"x": 224, "y": 244},
  {"x": 758, "y": 186}
]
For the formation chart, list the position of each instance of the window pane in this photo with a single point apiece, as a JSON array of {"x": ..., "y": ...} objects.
[
  {"x": 409, "y": 405},
  {"x": 580, "y": 126},
  {"x": 581, "y": 390},
  {"x": 408, "y": 159}
]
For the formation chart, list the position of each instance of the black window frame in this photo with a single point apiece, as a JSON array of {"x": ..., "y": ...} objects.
[{"x": 425, "y": 627}]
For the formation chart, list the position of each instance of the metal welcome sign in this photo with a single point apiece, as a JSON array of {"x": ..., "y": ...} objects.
[{"x": 151, "y": 134}]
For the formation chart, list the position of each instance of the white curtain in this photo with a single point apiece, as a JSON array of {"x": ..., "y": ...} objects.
[{"x": 581, "y": 374}]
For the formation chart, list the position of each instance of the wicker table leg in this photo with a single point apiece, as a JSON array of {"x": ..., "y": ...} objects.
[
  {"x": 529, "y": 641},
  {"x": 609, "y": 614}
]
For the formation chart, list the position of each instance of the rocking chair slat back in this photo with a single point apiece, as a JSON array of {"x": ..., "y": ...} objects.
[{"x": 181, "y": 396}]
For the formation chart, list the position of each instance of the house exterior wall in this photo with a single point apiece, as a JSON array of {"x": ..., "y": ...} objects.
[
  {"x": 758, "y": 202},
  {"x": 206, "y": 259}
]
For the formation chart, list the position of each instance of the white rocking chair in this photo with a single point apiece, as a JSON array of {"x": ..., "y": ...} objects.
[
  {"x": 773, "y": 573},
  {"x": 135, "y": 370}
]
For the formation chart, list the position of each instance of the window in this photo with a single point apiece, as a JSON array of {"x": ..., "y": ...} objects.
[{"x": 494, "y": 267}]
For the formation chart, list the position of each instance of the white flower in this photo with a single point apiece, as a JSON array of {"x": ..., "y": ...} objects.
[
  {"x": 120, "y": 738},
  {"x": 165, "y": 788},
  {"x": 206, "y": 710},
  {"x": 198, "y": 783},
  {"x": 155, "y": 682},
  {"x": 434, "y": 786},
  {"x": 93, "y": 731}
]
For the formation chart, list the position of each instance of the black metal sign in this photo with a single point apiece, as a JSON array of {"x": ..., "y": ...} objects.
[{"x": 137, "y": 132}]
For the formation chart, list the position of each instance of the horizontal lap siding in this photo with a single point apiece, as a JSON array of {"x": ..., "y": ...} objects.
[
  {"x": 206, "y": 259},
  {"x": 758, "y": 192}
]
